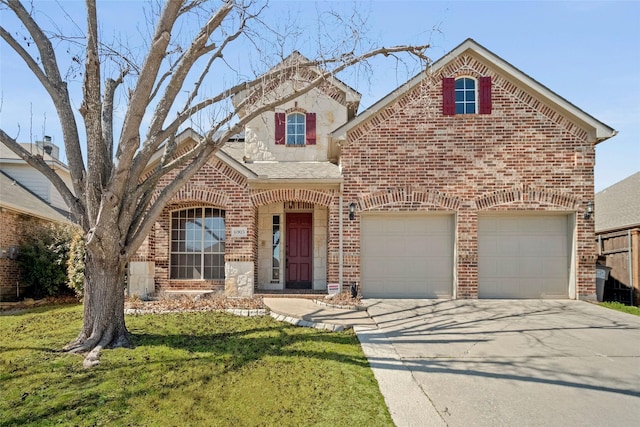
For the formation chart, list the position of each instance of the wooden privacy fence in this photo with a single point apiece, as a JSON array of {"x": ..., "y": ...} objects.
[{"x": 620, "y": 251}]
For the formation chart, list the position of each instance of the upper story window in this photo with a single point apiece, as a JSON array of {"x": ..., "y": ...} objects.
[
  {"x": 295, "y": 129},
  {"x": 466, "y": 95},
  {"x": 296, "y": 133},
  {"x": 197, "y": 244}
]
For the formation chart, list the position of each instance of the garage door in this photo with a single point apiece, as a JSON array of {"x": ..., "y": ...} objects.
[
  {"x": 406, "y": 256},
  {"x": 523, "y": 256}
]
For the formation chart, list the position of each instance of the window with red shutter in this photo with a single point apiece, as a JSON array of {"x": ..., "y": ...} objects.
[
  {"x": 485, "y": 95},
  {"x": 311, "y": 128},
  {"x": 281, "y": 121},
  {"x": 448, "y": 96}
]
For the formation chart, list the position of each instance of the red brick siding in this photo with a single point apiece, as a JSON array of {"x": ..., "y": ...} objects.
[
  {"x": 522, "y": 156},
  {"x": 215, "y": 185}
]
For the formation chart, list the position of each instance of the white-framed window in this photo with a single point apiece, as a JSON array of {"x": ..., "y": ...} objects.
[
  {"x": 466, "y": 96},
  {"x": 296, "y": 129},
  {"x": 197, "y": 244},
  {"x": 275, "y": 259}
]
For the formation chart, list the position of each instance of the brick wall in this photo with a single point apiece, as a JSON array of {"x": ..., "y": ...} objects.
[
  {"x": 522, "y": 156},
  {"x": 215, "y": 185}
]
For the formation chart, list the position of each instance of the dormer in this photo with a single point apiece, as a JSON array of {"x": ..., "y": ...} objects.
[{"x": 298, "y": 129}]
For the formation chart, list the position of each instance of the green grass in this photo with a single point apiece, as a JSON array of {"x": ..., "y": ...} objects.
[
  {"x": 621, "y": 307},
  {"x": 187, "y": 369}
]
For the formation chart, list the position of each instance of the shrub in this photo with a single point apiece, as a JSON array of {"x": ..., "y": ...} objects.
[
  {"x": 43, "y": 257},
  {"x": 51, "y": 257},
  {"x": 75, "y": 263}
]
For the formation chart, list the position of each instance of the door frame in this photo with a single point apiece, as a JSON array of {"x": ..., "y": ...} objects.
[{"x": 287, "y": 283}]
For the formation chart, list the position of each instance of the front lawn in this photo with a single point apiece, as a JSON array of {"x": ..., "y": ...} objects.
[
  {"x": 186, "y": 369},
  {"x": 621, "y": 307}
]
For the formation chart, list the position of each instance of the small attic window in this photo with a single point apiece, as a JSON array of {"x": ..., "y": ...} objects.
[{"x": 466, "y": 95}]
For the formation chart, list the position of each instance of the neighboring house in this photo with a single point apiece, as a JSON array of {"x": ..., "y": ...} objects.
[
  {"x": 20, "y": 210},
  {"x": 30, "y": 178},
  {"x": 469, "y": 181},
  {"x": 617, "y": 226}
]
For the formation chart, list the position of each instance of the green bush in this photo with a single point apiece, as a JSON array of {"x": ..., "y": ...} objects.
[
  {"x": 44, "y": 257},
  {"x": 75, "y": 263}
]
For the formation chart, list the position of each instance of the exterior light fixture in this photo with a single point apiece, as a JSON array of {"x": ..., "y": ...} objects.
[
  {"x": 589, "y": 211},
  {"x": 352, "y": 211}
]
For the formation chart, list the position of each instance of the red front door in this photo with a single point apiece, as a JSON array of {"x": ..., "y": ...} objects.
[{"x": 299, "y": 251}]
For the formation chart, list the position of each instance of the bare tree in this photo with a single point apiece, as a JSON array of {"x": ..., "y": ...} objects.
[{"x": 115, "y": 198}]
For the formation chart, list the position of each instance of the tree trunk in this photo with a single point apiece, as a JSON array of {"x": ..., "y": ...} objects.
[{"x": 103, "y": 320}]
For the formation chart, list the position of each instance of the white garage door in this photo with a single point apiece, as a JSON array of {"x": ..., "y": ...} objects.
[
  {"x": 523, "y": 256},
  {"x": 406, "y": 256}
]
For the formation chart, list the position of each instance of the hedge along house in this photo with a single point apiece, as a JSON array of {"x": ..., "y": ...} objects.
[
  {"x": 471, "y": 180},
  {"x": 256, "y": 217}
]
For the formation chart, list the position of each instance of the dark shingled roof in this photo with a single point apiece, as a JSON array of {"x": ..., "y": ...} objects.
[{"x": 618, "y": 207}]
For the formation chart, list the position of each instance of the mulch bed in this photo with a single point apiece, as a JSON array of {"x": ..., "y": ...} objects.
[{"x": 183, "y": 303}]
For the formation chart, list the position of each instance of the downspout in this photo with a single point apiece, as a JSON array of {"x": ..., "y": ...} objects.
[
  {"x": 630, "y": 266},
  {"x": 340, "y": 243}
]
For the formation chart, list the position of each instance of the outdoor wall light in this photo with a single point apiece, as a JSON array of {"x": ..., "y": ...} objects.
[
  {"x": 589, "y": 211},
  {"x": 352, "y": 211}
]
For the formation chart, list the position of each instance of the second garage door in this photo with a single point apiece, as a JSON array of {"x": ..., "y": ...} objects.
[
  {"x": 406, "y": 256},
  {"x": 523, "y": 256}
]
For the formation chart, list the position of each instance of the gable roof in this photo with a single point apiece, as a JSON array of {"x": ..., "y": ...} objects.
[
  {"x": 618, "y": 206},
  {"x": 601, "y": 130},
  {"x": 351, "y": 97},
  {"x": 15, "y": 197},
  {"x": 7, "y": 156}
]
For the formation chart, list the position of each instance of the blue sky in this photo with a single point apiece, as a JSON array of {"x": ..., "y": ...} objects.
[{"x": 587, "y": 52}]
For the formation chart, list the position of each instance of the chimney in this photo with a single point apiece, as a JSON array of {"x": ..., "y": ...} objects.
[{"x": 49, "y": 147}]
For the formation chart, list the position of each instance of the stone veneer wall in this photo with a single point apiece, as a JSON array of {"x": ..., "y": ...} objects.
[{"x": 524, "y": 156}]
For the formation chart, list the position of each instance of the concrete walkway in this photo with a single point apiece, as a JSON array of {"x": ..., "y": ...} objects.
[
  {"x": 507, "y": 363},
  {"x": 492, "y": 362}
]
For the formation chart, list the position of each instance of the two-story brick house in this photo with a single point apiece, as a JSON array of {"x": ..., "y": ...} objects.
[{"x": 470, "y": 180}]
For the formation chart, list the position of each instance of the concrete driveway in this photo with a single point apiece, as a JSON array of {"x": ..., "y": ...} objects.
[{"x": 505, "y": 363}]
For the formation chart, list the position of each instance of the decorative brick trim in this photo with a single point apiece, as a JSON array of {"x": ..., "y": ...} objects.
[
  {"x": 266, "y": 197},
  {"x": 526, "y": 194},
  {"x": 408, "y": 196},
  {"x": 228, "y": 171},
  {"x": 191, "y": 192},
  {"x": 466, "y": 65}
]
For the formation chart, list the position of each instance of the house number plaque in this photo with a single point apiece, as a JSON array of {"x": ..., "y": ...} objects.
[{"x": 238, "y": 231}]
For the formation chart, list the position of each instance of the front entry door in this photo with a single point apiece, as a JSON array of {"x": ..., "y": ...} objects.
[{"x": 299, "y": 254}]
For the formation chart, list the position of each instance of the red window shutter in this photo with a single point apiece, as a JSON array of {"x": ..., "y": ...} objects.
[
  {"x": 448, "y": 96},
  {"x": 281, "y": 122},
  {"x": 311, "y": 128},
  {"x": 485, "y": 95}
]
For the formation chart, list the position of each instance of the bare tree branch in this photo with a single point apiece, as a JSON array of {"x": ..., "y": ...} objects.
[
  {"x": 55, "y": 86},
  {"x": 107, "y": 114},
  {"x": 91, "y": 110}
]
